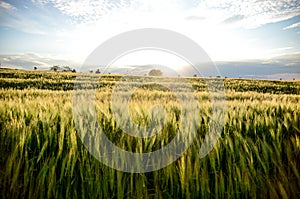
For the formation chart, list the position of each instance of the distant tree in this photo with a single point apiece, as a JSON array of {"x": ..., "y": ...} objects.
[
  {"x": 280, "y": 78},
  {"x": 195, "y": 75},
  {"x": 54, "y": 68},
  {"x": 155, "y": 72},
  {"x": 74, "y": 71},
  {"x": 35, "y": 68},
  {"x": 91, "y": 71},
  {"x": 98, "y": 71},
  {"x": 218, "y": 76},
  {"x": 293, "y": 78}
]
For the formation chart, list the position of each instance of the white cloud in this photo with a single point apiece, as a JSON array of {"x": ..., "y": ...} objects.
[
  {"x": 13, "y": 18},
  {"x": 285, "y": 59},
  {"x": 210, "y": 23},
  {"x": 29, "y": 60},
  {"x": 252, "y": 13},
  {"x": 255, "y": 12},
  {"x": 23, "y": 24},
  {"x": 275, "y": 52},
  {"x": 7, "y": 6},
  {"x": 295, "y": 25},
  {"x": 83, "y": 11}
]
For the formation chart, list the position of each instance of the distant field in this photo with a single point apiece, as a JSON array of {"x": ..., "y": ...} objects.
[
  {"x": 19, "y": 79},
  {"x": 258, "y": 155}
]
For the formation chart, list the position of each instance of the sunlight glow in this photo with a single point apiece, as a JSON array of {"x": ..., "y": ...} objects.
[{"x": 150, "y": 57}]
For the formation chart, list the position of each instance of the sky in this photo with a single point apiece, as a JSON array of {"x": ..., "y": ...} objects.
[{"x": 244, "y": 38}]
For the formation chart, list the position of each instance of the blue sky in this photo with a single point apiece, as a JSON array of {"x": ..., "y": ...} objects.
[{"x": 264, "y": 33}]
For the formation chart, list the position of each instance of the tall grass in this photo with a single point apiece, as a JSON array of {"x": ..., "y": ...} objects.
[{"x": 42, "y": 156}]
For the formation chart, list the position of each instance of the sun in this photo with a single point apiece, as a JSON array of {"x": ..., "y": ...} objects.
[{"x": 144, "y": 57}]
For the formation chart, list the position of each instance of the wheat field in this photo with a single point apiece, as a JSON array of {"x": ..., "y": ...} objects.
[{"x": 42, "y": 156}]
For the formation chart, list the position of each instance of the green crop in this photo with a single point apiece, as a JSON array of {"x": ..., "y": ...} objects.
[{"x": 257, "y": 156}]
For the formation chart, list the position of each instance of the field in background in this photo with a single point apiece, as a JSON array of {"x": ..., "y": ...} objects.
[{"x": 258, "y": 155}]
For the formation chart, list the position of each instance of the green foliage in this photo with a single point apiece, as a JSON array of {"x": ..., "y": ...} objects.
[
  {"x": 155, "y": 72},
  {"x": 55, "y": 68},
  {"x": 258, "y": 155}
]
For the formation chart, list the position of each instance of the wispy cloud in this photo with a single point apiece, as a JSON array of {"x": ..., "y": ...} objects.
[
  {"x": 288, "y": 59},
  {"x": 295, "y": 25},
  {"x": 24, "y": 25},
  {"x": 194, "y": 18},
  {"x": 7, "y": 6},
  {"x": 253, "y": 13},
  {"x": 29, "y": 60},
  {"x": 84, "y": 11},
  {"x": 233, "y": 19},
  {"x": 13, "y": 18},
  {"x": 215, "y": 24}
]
